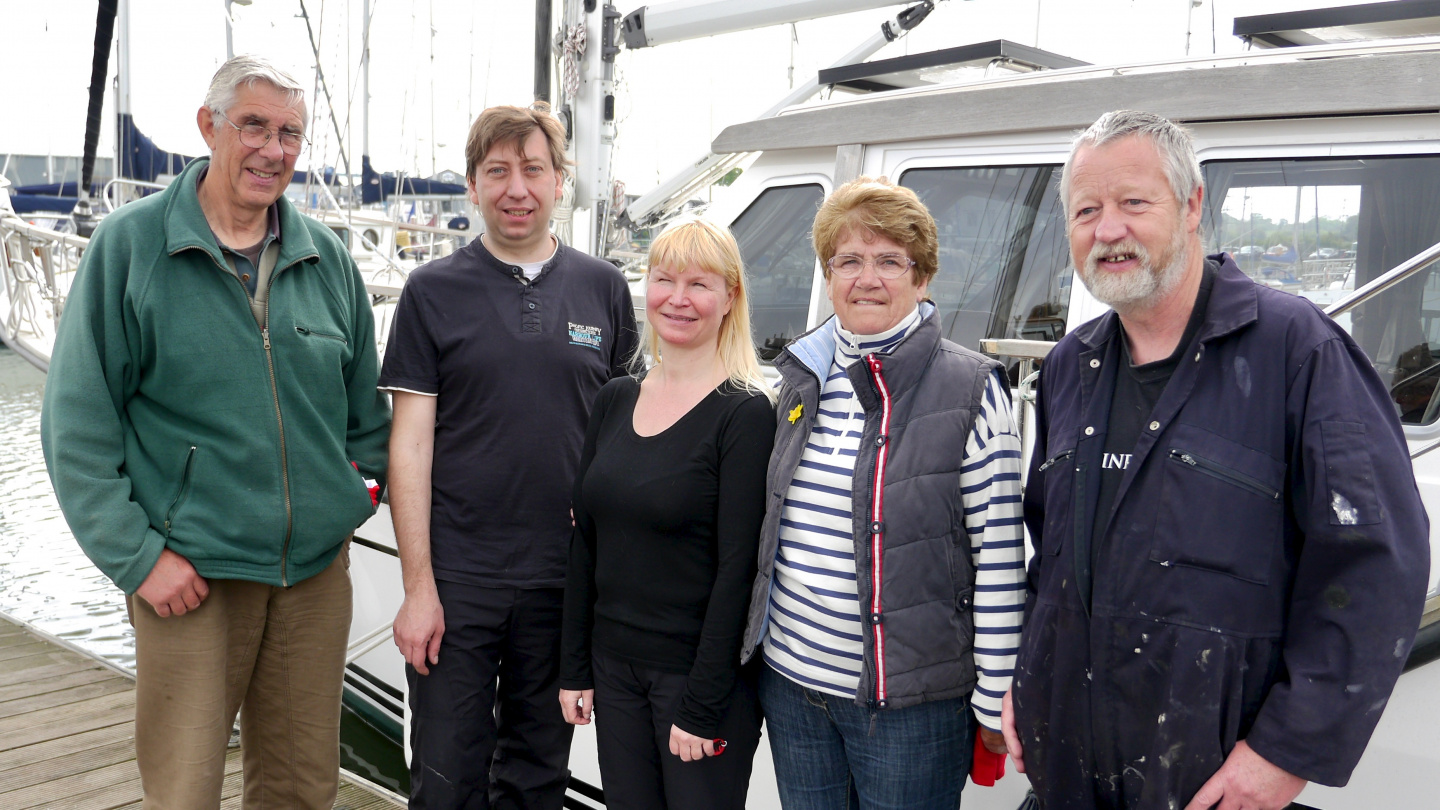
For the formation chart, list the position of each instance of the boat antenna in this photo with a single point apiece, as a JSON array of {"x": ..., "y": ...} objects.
[{"x": 104, "y": 33}]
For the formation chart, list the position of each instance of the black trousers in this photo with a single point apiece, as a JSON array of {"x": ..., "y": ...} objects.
[
  {"x": 486, "y": 728},
  {"x": 634, "y": 709}
]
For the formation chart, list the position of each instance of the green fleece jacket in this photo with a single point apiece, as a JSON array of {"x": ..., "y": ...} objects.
[{"x": 171, "y": 421}]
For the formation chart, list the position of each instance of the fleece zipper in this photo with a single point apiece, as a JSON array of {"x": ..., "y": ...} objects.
[
  {"x": 275, "y": 394},
  {"x": 279, "y": 420}
]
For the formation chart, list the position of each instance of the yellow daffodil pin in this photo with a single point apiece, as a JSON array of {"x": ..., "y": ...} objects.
[{"x": 795, "y": 412}]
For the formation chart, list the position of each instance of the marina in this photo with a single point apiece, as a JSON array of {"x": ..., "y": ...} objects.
[{"x": 1353, "y": 153}]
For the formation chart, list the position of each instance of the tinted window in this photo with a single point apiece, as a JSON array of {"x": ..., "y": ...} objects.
[
  {"x": 1004, "y": 259},
  {"x": 1321, "y": 228},
  {"x": 775, "y": 242}
]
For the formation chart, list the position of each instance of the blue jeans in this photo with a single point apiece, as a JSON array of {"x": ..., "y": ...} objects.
[{"x": 833, "y": 754}]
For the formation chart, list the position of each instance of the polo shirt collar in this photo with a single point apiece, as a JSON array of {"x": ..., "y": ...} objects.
[{"x": 513, "y": 270}]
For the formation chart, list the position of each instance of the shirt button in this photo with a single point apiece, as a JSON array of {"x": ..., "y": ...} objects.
[
  {"x": 1094, "y": 364},
  {"x": 532, "y": 304},
  {"x": 1089, "y": 431},
  {"x": 515, "y": 270},
  {"x": 1197, "y": 357},
  {"x": 1154, "y": 425},
  {"x": 244, "y": 276}
]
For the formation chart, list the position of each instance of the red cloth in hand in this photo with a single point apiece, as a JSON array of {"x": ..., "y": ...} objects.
[
  {"x": 987, "y": 767},
  {"x": 372, "y": 486}
]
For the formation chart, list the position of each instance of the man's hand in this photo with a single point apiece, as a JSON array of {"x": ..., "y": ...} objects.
[
  {"x": 1007, "y": 730},
  {"x": 688, "y": 747},
  {"x": 576, "y": 705},
  {"x": 173, "y": 587},
  {"x": 418, "y": 628},
  {"x": 1247, "y": 781},
  {"x": 994, "y": 741}
]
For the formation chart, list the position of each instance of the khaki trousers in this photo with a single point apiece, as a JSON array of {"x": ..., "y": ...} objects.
[{"x": 277, "y": 655}]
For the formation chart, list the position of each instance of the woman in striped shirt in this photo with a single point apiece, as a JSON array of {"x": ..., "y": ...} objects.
[{"x": 890, "y": 591}]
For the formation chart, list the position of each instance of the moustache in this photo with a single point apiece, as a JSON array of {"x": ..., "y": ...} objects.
[{"x": 1127, "y": 248}]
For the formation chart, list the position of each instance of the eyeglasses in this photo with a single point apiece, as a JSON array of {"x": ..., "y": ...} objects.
[
  {"x": 887, "y": 265},
  {"x": 256, "y": 136}
]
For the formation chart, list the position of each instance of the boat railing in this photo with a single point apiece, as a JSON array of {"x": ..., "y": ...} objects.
[
  {"x": 1420, "y": 261},
  {"x": 132, "y": 189},
  {"x": 39, "y": 265},
  {"x": 1029, "y": 353}
]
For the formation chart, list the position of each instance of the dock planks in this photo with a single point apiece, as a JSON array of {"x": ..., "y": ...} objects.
[{"x": 67, "y": 725}]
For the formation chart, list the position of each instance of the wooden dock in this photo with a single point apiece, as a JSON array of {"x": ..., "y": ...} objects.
[{"x": 67, "y": 723}]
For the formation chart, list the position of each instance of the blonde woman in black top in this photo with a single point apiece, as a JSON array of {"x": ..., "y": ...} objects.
[{"x": 668, "y": 505}]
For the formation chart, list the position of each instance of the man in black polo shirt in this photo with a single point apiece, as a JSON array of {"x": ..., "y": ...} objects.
[{"x": 496, "y": 354}]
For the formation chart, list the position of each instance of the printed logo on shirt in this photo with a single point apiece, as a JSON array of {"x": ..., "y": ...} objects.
[
  {"x": 585, "y": 336},
  {"x": 1115, "y": 461}
]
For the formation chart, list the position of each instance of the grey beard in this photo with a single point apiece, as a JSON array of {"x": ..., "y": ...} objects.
[{"x": 1142, "y": 287}]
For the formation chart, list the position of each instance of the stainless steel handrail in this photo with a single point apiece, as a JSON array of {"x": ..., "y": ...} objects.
[
  {"x": 107, "y": 193},
  {"x": 1379, "y": 284}
]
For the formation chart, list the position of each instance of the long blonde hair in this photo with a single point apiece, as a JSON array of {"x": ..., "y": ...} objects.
[{"x": 699, "y": 243}]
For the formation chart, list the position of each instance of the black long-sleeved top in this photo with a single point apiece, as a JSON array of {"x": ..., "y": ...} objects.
[{"x": 663, "y": 553}]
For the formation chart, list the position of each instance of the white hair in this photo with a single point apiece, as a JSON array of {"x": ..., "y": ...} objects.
[
  {"x": 244, "y": 71},
  {"x": 1172, "y": 141}
]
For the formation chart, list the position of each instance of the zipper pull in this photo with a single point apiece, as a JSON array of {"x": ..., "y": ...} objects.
[
  {"x": 265, "y": 333},
  {"x": 1056, "y": 460}
]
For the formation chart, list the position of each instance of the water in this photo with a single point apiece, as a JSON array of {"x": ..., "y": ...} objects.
[
  {"x": 47, "y": 581},
  {"x": 44, "y": 577}
]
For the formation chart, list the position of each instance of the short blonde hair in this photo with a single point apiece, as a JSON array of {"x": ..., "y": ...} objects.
[
  {"x": 700, "y": 243},
  {"x": 877, "y": 206},
  {"x": 513, "y": 125}
]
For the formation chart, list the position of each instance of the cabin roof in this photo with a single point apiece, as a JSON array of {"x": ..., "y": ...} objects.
[{"x": 1288, "y": 83}]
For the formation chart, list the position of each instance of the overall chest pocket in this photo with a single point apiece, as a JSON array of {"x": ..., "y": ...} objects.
[
  {"x": 1059, "y": 483},
  {"x": 1221, "y": 507}
]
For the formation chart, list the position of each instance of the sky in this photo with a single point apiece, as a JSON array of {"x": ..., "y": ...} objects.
[{"x": 436, "y": 63}]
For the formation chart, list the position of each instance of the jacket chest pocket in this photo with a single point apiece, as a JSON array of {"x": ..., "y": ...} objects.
[
  {"x": 1221, "y": 507},
  {"x": 322, "y": 346}
]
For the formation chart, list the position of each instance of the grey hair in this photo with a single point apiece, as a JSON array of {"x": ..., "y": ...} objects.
[
  {"x": 244, "y": 71},
  {"x": 1174, "y": 143}
]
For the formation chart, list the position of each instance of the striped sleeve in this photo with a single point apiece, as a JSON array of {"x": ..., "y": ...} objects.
[{"x": 990, "y": 494}]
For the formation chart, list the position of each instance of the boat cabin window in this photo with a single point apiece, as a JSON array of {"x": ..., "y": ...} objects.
[
  {"x": 774, "y": 234},
  {"x": 343, "y": 233},
  {"x": 1320, "y": 228},
  {"x": 1004, "y": 258}
]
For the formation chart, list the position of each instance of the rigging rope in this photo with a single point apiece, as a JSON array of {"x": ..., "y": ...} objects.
[{"x": 574, "y": 48}]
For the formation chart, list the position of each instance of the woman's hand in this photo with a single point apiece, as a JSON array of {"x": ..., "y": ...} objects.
[
  {"x": 688, "y": 747},
  {"x": 576, "y": 705}
]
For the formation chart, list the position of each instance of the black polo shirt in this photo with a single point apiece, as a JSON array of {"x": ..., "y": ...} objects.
[{"x": 515, "y": 366}]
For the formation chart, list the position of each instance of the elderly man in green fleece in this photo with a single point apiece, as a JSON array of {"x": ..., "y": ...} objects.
[{"x": 210, "y": 423}]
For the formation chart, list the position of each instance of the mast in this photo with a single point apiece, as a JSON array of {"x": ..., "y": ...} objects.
[
  {"x": 230, "y": 26},
  {"x": 104, "y": 29},
  {"x": 365, "y": 83},
  {"x": 542, "y": 50}
]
